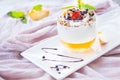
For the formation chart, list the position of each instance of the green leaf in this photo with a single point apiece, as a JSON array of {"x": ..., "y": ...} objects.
[
  {"x": 88, "y": 6},
  {"x": 79, "y": 3},
  {"x": 37, "y": 7},
  {"x": 67, "y": 7},
  {"x": 24, "y": 20},
  {"x": 9, "y": 13},
  {"x": 16, "y": 14}
]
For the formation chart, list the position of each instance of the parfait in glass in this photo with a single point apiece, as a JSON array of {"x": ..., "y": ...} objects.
[{"x": 76, "y": 27}]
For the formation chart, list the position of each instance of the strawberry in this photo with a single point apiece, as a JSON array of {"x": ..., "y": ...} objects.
[{"x": 76, "y": 16}]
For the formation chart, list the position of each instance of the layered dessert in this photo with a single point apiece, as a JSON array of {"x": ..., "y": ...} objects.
[
  {"x": 38, "y": 12},
  {"x": 76, "y": 28}
]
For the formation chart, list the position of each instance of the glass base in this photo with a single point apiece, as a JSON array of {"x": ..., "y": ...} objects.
[{"x": 79, "y": 46}]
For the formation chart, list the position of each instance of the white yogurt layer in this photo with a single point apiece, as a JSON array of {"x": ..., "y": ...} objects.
[{"x": 76, "y": 35}]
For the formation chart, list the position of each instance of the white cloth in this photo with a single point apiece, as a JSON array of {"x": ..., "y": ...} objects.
[{"x": 16, "y": 37}]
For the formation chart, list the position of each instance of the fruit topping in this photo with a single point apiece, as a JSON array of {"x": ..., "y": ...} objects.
[
  {"x": 82, "y": 14},
  {"x": 76, "y": 16},
  {"x": 38, "y": 12}
]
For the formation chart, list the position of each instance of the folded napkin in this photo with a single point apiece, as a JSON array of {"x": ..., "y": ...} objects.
[{"x": 16, "y": 38}]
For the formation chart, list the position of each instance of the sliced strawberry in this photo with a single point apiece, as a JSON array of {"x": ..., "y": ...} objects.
[{"x": 76, "y": 16}]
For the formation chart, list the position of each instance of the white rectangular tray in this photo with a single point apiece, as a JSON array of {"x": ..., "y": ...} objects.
[{"x": 45, "y": 58}]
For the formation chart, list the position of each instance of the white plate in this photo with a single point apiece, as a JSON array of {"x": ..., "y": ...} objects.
[
  {"x": 70, "y": 62},
  {"x": 38, "y": 56}
]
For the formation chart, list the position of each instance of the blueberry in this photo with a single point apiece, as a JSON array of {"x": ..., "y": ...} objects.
[
  {"x": 43, "y": 57},
  {"x": 56, "y": 66},
  {"x": 68, "y": 16},
  {"x": 59, "y": 72},
  {"x": 57, "y": 69},
  {"x": 64, "y": 66},
  {"x": 82, "y": 12}
]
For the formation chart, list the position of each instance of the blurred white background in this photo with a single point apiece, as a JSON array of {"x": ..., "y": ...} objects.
[{"x": 6, "y": 5}]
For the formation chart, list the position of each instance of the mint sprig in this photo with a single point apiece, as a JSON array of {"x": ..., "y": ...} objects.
[
  {"x": 80, "y": 5},
  {"x": 88, "y": 6},
  {"x": 19, "y": 15},
  {"x": 24, "y": 20},
  {"x": 37, "y": 7},
  {"x": 16, "y": 14},
  {"x": 67, "y": 7}
]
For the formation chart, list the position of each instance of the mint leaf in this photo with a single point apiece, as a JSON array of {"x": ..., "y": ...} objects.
[
  {"x": 16, "y": 14},
  {"x": 79, "y": 3},
  {"x": 9, "y": 13},
  {"x": 24, "y": 20},
  {"x": 37, "y": 7},
  {"x": 67, "y": 7},
  {"x": 88, "y": 6},
  {"x": 19, "y": 15}
]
